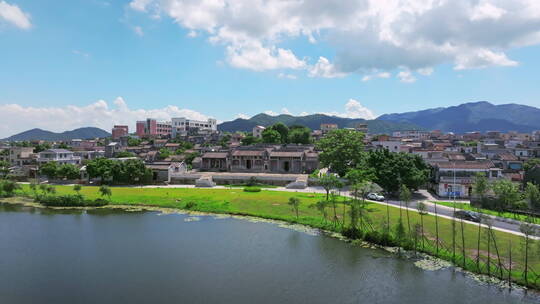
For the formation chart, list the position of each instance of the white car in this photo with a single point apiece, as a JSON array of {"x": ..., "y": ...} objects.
[{"x": 375, "y": 197}]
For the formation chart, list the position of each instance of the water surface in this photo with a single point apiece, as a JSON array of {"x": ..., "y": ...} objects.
[{"x": 107, "y": 256}]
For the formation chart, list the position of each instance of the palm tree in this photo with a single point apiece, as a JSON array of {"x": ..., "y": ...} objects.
[
  {"x": 405, "y": 196},
  {"x": 527, "y": 229},
  {"x": 423, "y": 211},
  {"x": 321, "y": 207},
  {"x": 77, "y": 188},
  {"x": 105, "y": 191},
  {"x": 294, "y": 202}
]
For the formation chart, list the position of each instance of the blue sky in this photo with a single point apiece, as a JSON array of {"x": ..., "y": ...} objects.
[{"x": 81, "y": 52}]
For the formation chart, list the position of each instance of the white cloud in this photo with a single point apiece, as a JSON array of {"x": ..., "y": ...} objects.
[
  {"x": 376, "y": 75},
  {"x": 81, "y": 53},
  {"x": 406, "y": 76},
  {"x": 242, "y": 115},
  {"x": 287, "y": 76},
  {"x": 323, "y": 68},
  {"x": 425, "y": 71},
  {"x": 16, "y": 118},
  {"x": 286, "y": 111},
  {"x": 365, "y": 35},
  {"x": 138, "y": 30},
  {"x": 354, "y": 109},
  {"x": 271, "y": 113},
  {"x": 11, "y": 13}
]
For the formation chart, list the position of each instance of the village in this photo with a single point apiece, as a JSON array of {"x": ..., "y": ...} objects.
[{"x": 184, "y": 151}]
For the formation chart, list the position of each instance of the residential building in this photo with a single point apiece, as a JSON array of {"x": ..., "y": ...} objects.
[
  {"x": 20, "y": 156},
  {"x": 164, "y": 129},
  {"x": 327, "y": 127},
  {"x": 412, "y": 134},
  {"x": 61, "y": 156},
  {"x": 257, "y": 131},
  {"x": 456, "y": 179},
  {"x": 141, "y": 128},
  {"x": 119, "y": 131}
]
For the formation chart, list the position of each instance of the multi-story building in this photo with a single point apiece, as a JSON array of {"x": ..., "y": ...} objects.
[
  {"x": 327, "y": 127},
  {"x": 257, "y": 131},
  {"x": 119, "y": 131},
  {"x": 61, "y": 156},
  {"x": 456, "y": 179},
  {"x": 181, "y": 126},
  {"x": 151, "y": 127},
  {"x": 20, "y": 156},
  {"x": 412, "y": 134},
  {"x": 164, "y": 128},
  {"x": 140, "y": 128}
]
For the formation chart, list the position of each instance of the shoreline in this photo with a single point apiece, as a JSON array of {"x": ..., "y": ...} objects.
[{"x": 421, "y": 260}]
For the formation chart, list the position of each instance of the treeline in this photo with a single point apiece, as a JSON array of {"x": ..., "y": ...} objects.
[
  {"x": 503, "y": 195},
  {"x": 131, "y": 171},
  {"x": 279, "y": 133},
  {"x": 53, "y": 170}
]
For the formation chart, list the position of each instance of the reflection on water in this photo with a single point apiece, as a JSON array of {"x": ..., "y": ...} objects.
[{"x": 114, "y": 256}]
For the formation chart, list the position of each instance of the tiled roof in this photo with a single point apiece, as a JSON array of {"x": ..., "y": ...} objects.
[
  {"x": 248, "y": 153},
  {"x": 465, "y": 165},
  {"x": 215, "y": 155},
  {"x": 285, "y": 154}
]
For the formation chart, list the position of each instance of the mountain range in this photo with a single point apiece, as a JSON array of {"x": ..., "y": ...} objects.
[
  {"x": 39, "y": 134},
  {"x": 474, "y": 116},
  {"x": 314, "y": 122}
]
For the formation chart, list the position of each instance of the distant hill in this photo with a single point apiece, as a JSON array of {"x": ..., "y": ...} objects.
[
  {"x": 314, "y": 122},
  {"x": 39, "y": 134},
  {"x": 475, "y": 116}
]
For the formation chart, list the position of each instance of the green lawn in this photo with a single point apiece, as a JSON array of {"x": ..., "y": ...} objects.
[
  {"x": 466, "y": 206},
  {"x": 273, "y": 205}
]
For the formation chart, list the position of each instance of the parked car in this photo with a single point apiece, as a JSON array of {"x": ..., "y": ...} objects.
[
  {"x": 375, "y": 197},
  {"x": 467, "y": 215}
]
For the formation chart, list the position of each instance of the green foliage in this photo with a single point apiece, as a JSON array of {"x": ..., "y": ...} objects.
[
  {"x": 250, "y": 140},
  {"x": 124, "y": 154},
  {"x": 164, "y": 153},
  {"x": 190, "y": 157},
  {"x": 271, "y": 136},
  {"x": 405, "y": 194},
  {"x": 342, "y": 150},
  {"x": 252, "y": 189},
  {"x": 329, "y": 182},
  {"x": 283, "y": 131},
  {"x": 393, "y": 169},
  {"x": 507, "y": 194},
  {"x": 300, "y": 135},
  {"x": 41, "y": 147},
  {"x": 100, "y": 168},
  {"x": 8, "y": 187},
  {"x": 69, "y": 200},
  {"x": 481, "y": 186},
  {"x": 68, "y": 171},
  {"x": 131, "y": 171},
  {"x": 532, "y": 196},
  {"x": 190, "y": 205},
  {"x": 531, "y": 163},
  {"x": 77, "y": 188},
  {"x": 133, "y": 142},
  {"x": 49, "y": 169},
  {"x": 4, "y": 168},
  {"x": 104, "y": 190},
  {"x": 294, "y": 202}
]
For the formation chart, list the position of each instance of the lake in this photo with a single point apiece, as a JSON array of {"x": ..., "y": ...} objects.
[{"x": 115, "y": 256}]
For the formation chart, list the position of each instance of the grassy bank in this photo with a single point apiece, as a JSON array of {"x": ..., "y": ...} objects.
[
  {"x": 509, "y": 215},
  {"x": 274, "y": 205}
]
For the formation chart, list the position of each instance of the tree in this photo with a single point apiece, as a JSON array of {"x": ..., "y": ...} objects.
[
  {"x": 393, "y": 169},
  {"x": 532, "y": 196},
  {"x": 342, "y": 150},
  {"x": 100, "y": 168},
  {"x": 321, "y": 207},
  {"x": 271, "y": 136},
  {"x": 104, "y": 190},
  {"x": 77, "y": 188},
  {"x": 164, "y": 153},
  {"x": 480, "y": 186},
  {"x": 4, "y": 169},
  {"x": 124, "y": 154},
  {"x": 250, "y": 140},
  {"x": 422, "y": 210},
  {"x": 283, "y": 131},
  {"x": 8, "y": 187},
  {"x": 329, "y": 182},
  {"x": 294, "y": 202},
  {"x": 507, "y": 194},
  {"x": 405, "y": 196},
  {"x": 300, "y": 135},
  {"x": 68, "y": 171},
  {"x": 527, "y": 230},
  {"x": 531, "y": 163},
  {"x": 133, "y": 142},
  {"x": 33, "y": 187},
  {"x": 49, "y": 169}
]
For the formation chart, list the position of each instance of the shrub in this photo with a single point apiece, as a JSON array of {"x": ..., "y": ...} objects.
[
  {"x": 69, "y": 200},
  {"x": 190, "y": 205},
  {"x": 252, "y": 189}
]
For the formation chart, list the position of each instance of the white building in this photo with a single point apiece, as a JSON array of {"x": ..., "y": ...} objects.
[
  {"x": 390, "y": 145},
  {"x": 456, "y": 179},
  {"x": 181, "y": 125},
  {"x": 413, "y": 134},
  {"x": 257, "y": 131},
  {"x": 61, "y": 156}
]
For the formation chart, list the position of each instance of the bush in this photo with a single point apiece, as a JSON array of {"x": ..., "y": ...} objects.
[
  {"x": 252, "y": 189},
  {"x": 69, "y": 200},
  {"x": 190, "y": 205}
]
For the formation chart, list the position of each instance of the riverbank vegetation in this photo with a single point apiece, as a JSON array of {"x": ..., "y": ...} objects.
[{"x": 476, "y": 248}]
